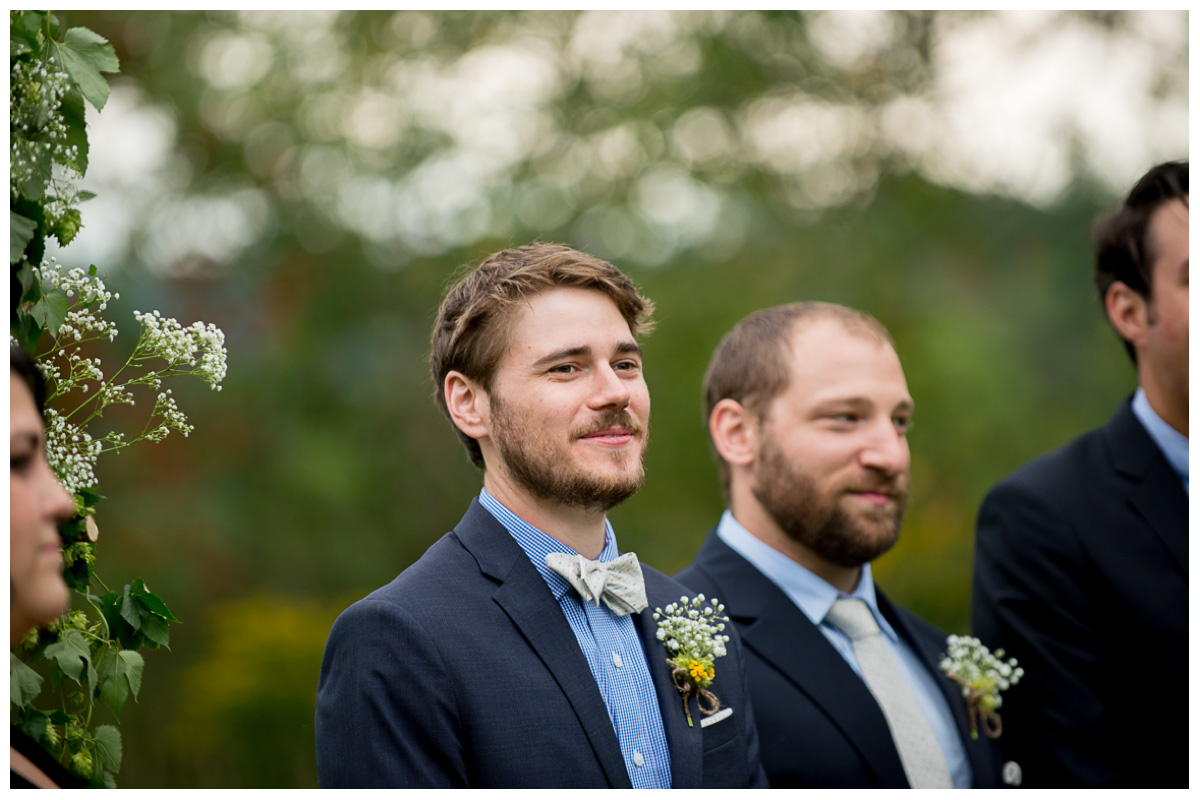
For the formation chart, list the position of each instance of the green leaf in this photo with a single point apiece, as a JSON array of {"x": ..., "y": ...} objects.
[
  {"x": 20, "y": 233},
  {"x": 71, "y": 654},
  {"x": 36, "y": 247},
  {"x": 111, "y": 605},
  {"x": 129, "y": 666},
  {"x": 35, "y": 186},
  {"x": 113, "y": 688},
  {"x": 155, "y": 630},
  {"x": 34, "y": 722},
  {"x": 25, "y": 29},
  {"x": 146, "y": 614},
  {"x": 108, "y": 746},
  {"x": 27, "y": 332},
  {"x": 85, "y": 55},
  {"x": 51, "y": 311},
  {"x": 129, "y": 610},
  {"x": 23, "y": 683},
  {"x": 150, "y": 601},
  {"x": 25, "y": 277},
  {"x": 74, "y": 117},
  {"x": 120, "y": 673},
  {"x": 83, "y": 196}
]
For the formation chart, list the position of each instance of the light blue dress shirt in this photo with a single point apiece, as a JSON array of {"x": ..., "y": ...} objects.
[
  {"x": 1172, "y": 443},
  {"x": 613, "y": 650},
  {"x": 813, "y": 596}
]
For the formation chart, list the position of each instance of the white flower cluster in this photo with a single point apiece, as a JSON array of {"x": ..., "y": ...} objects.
[
  {"x": 87, "y": 299},
  {"x": 173, "y": 418},
  {"x": 198, "y": 350},
  {"x": 200, "y": 346},
  {"x": 72, "y": 453},
  {"x": 977, "y": 669},
  {"x": 693, "y": 629},
  {"x": 36, "y": 125}
]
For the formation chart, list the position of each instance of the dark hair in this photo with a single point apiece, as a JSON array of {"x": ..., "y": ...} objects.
[
  {"x": 750, "y": 365},
  {"x": 23, "y": 364},
  {"x": 473, "y": 327},
  {"x": 1125, "y": 251}
]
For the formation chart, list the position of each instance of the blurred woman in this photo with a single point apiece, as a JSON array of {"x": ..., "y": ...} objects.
[{"x": 37, "y": 592}]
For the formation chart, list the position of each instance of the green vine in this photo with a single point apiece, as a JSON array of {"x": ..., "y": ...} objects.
[{"x": 91, "y": 653}]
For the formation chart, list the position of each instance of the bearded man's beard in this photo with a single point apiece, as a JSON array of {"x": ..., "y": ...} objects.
[{"x": 819, "y": 522}]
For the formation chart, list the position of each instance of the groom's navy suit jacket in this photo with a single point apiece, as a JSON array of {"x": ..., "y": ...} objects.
[
  {"x": 464, "y": 672},
  {"x": 1081, "y": 573},
  {"x": 819, "y": 725}
]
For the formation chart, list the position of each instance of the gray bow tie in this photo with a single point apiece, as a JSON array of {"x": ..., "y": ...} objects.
[{"x": 618, "y": 582}]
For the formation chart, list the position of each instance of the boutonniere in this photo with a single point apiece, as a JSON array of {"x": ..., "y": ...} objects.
[
  {"x": 982, "y": 675},
  {"x": 692, "y": 632}
]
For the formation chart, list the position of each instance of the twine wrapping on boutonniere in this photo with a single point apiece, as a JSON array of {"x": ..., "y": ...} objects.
[
  {"x": 692, "y": 631},
  {"x": 982, "y": 676}
]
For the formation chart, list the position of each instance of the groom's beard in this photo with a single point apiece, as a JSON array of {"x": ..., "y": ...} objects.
[{"x": 546, "y": 468}]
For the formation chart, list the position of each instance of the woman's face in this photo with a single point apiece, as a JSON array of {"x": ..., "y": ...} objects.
[{"x": 38, "y": 504}]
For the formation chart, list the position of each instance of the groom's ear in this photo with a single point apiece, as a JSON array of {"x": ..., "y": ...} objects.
[{"x": 468, "y": 405}]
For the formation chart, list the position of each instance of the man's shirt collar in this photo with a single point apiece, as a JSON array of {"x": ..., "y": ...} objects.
[
  {"x": 537, "y": 544},
  {"x": 811, "y": 594},
  {"x": 1172, "y": 443}
]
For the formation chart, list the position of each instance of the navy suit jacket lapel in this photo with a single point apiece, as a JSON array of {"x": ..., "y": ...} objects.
[
  {"x": 1157, "y": 494},
  {"x": 774, "y": 628},
  {"x": 686, "y": 744},
  {"x": 525, "y": 597}
]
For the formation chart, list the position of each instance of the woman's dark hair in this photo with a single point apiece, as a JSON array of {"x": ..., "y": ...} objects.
[{"x": 23, "y": 365}]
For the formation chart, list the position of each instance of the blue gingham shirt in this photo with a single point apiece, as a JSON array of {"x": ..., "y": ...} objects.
[
  {"x": 815, "y": 597},
  {"x": 613, "y": 650}
]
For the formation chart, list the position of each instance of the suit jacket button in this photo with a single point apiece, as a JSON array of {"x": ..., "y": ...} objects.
[{"x": 1011, "y": 773}]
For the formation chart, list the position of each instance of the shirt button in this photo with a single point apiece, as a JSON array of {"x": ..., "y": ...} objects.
[
  {"x": 637, "y": 759},
  {"x": 617, "y": 660}
]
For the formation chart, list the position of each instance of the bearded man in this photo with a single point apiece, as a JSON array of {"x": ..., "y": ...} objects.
[
  {"x": 808, "y": 410},
  {"x": 521, "y": 649}
]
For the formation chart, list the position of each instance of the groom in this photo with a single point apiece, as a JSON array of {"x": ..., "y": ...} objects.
[{"x": 521, "y": 649}]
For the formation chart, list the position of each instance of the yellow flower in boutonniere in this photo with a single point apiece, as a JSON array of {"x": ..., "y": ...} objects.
[
  {"x": 692, "y": 631},
  {"x": 982, "y": 676}
]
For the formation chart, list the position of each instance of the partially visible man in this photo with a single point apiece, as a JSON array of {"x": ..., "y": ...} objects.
[
  {"x": 808, "y": 411},
  {"x": 1081, "y": 560},
  {"x": 491, "y": 662}
]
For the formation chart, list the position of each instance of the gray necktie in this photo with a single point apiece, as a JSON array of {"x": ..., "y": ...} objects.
[
  {"x": 923, "y": 760},
  {"x": 618, "y": 582}
]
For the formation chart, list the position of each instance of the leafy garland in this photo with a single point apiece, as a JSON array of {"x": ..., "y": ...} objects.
[{"x": 89, "y": 654}]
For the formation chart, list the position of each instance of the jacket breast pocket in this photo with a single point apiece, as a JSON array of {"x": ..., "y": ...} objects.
[
  {"x": 725, "y": 763},
  {"x": 718, "y": 729}
]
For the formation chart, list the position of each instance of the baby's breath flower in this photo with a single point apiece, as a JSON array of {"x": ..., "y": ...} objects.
[
  {"x": 199, "y": 346},
  {"x": 692, "y": 631},
  {"x": 79, "y": 382},
  {"x": 982, "y": 676}
]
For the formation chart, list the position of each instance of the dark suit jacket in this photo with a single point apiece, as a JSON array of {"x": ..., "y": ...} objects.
[
  {"x": 819, "y": 726},
  {"x": 1081, "y": 573},
  {"x": 464, "y": 672}
]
